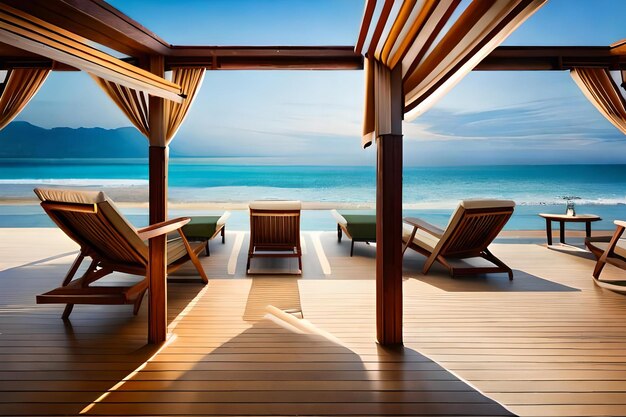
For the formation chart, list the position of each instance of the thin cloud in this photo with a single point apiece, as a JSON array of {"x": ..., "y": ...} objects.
[{"x": 538, "y": 121}]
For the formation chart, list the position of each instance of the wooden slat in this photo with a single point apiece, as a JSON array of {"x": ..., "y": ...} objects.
[
  {"x": 27, "y": 32},
  {"x": 98, "y": 21}
]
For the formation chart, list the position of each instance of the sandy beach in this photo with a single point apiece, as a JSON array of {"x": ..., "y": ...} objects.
[
  {"x": 22, "y": 211},
  {"x": 136, "y": 202}
]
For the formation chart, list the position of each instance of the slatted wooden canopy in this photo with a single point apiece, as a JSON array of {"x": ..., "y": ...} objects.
[
  {"x": 59, "y": 34},
  {"x": 99, "y": 22}
]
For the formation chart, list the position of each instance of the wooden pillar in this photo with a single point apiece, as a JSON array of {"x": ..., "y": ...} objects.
[
  {"x": 389, "y": 222},
  {"x": 158, "y": 159}
]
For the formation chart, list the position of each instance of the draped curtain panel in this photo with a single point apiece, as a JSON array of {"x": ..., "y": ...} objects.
[
  {"x": 134, "y": 103},
  {"x": 20, "y": 86},
  {"x": 377, "y": 118},
  {"x": 600, "y": 89},
  {"x": 434, "y": 54},
  {"x": 190, "y": 81}
]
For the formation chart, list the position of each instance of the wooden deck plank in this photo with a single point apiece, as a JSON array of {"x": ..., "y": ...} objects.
[{"x": 547, "y": 343}]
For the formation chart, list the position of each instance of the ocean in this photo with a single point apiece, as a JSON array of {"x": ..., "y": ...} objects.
[{"x": 429, "y": 192}]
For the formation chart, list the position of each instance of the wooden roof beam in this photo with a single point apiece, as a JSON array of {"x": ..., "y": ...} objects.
[
  {"x": 503, "y": 58},
  {"x": 20, "y": 30},
  {"x": 98, "y": 21},
  {"x": 551, "y": 58},
  {"x": 265, "y": 57}
]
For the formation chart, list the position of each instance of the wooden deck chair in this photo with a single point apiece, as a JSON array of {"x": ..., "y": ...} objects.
[
  {"x": 90, "y": 219},
  {"x": 275, "y": 230},
  {"x": 610, "y": 250},
  {"x": 472, "y": 227}
]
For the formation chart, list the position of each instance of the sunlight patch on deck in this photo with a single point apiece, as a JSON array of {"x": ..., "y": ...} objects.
[
  {"x": 128, "y": 377},
  {"x": 171, "y": 338},
  {"x": 232, "y": 261},
  {"x": 321, "y": 255}
]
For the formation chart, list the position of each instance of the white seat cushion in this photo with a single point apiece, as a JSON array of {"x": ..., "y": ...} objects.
[
  {"x": 620, "y": 248},
  {"x": 70, "y": 196},
  {"x": 482, "y": 203},
  {"x": 105, "y": 205},
  {"x": 275, "y": 205},
  {"x": 422, "y": 239},
  {"x": 339, "y": 218},
  {"x": 223, "y": 218}
]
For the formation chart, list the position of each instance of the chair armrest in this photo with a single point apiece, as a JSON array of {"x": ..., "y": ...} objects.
[
  {"x": 621, "y": 223},
  {"x": 425, "y": 226},
  {"x": 162, "y": 228}
]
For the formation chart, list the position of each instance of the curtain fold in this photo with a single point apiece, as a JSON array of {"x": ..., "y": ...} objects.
[
  {"x": 434, "y": 55},
  {"x": 479, "y": 30},
  {"x": 377, "y": 114},
  {"x": 600, "y": 89},
  {"x": 369, "y": 113},
  {"x": 135, "y": 104},
  {"x": 20, "y": 86},
  {"x": 190, "y": 81}
]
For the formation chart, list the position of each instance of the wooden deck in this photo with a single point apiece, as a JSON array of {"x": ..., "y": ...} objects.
[{"x": 548, "y": 343}]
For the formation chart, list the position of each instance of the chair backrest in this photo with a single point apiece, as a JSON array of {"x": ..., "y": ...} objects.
[
  {"x": 91, "y": 219},
  {"x": 473, "y": 226},
  {"x": 275, "y": 225}
]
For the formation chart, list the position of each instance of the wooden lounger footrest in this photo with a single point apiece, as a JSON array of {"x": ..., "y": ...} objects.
[{"x": 92, "y": 295}]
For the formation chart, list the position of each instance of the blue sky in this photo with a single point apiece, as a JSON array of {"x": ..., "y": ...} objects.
[{"x": 314, "y": 117}]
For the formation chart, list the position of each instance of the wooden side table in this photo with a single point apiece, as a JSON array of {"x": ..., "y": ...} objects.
[{"x": 563, "y": 218}]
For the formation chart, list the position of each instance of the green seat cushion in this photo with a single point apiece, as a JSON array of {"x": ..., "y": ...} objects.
[
  {"x": 201, "y": 227},
  {"x": 360, "y": 226}
]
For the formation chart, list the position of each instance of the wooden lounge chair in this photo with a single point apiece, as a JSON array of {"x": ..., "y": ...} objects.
[
  {"x": 472, "y": 227},
  {"x": 205, "y": 228},
  {"x": 275, "y": 231},
  {"x": 90, "y": 219},
  {"x": 610, "y": 250},
  {"x": 359, "y": 227}
]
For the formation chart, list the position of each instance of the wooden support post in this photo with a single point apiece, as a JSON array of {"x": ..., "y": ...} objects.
[
  {"x": 158, "y": 159},
  {"x": 389, "y": 240},
  {"x": 389, "y": 223}
]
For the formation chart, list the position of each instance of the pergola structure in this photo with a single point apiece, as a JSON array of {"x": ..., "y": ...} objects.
[{"x": 410, "y": 54}]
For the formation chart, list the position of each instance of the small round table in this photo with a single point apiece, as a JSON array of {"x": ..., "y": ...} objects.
[{"x": 563, "y": 218}]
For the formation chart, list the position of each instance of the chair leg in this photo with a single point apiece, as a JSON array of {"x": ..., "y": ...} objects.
[
  {"x": 67, "y": 311},
  {"x": 492, "y": 258},
  {"x": 193, "y": 257},
  {"x": 598, "y": 268},
  {"x": 352, "y": 248},
  {"x": 93, "y": 274},
  {"x": 68, "y": 278},
  {"x": 223, "y": 235},
  {"x": 300, "y": 263},
  {"x": 248, "y": 265},
  {"x": 339, "y": 234},
  {"x": 428, "y": 264},
  {"x": 75, "y": 265},
  {"x": 207, "y": 250},
  {"x": 609, "y": 250},
  {"x": 198, "y": 265},
  {"x": 138, "y": 301}
]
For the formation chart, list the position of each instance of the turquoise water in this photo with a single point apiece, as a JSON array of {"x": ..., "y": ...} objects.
[
  {"x": 431, "y": 192},
  {"x": 524, "y": 218}
]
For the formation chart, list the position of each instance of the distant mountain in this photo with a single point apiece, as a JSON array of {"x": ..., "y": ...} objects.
[{"x": 24, "y": 140}]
